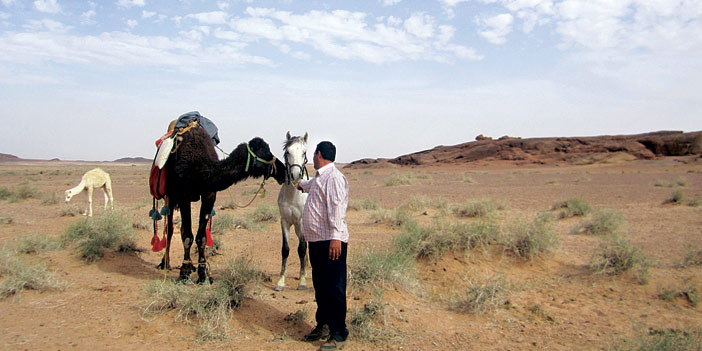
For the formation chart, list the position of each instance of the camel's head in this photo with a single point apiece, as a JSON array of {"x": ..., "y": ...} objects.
[
  {"x": 295, "y": 158},
  {"x": 69, "y": 195},
  {"x": 264, "y": 163}
]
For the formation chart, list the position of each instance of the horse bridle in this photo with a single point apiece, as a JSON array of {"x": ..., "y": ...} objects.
[
  {"x": 290, "y": 166},
  {"x": 251, "y": 154}
]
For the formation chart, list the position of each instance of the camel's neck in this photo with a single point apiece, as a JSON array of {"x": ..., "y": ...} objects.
[
  {"x": 231, "y": 170},
  {"x": 78, "y": 188}
]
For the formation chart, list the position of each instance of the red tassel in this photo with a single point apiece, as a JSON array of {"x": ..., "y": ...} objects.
[
  {"x": 155, "y": 240},
  {"x": 208, "y": 233}
]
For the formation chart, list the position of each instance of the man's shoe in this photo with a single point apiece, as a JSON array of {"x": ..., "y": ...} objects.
[
  {"x": 319, "y": 332},
  {"x": 332, "y": 344}
]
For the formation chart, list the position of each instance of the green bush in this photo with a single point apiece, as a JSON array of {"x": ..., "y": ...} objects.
[
  {"x": 663, "y": 340},
  {"x": 20, "y": 274},
  {"x": 363, "y": 324},
  {"x": 210, "y": 303},
  {"x": 396, "y": 179},
  {"x": 91, "y": 236},
  {"x": 616, "y": 256},
  {"x": 480, "y": 298},
  {"x": 603, "y": 222},
  {"x": 266, "y": 213},
  {"x": 380, "y": 268},
  {"x": 530, "y": 239},
  {"x": 222, "y": 222},
  {"x": 571, "y": 207},
  {"x": 364, "y": 204},
  {"x": 477, "y": 209},
  {"x": 35, "y": 243}
]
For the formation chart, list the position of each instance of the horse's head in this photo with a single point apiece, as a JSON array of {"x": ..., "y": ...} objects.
[
  {"x": 295, "y": 158},
  {"x": 261, "y": 162}
]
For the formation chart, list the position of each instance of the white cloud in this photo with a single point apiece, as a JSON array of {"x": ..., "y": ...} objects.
[
  {"x": 8, "y": 3},
  {"x": 47, "y": 25},
  {"x": 390, "y": 2},
  {"x": 87, "y": 17},
  {"x": 214, "y": 17},
  {"x": 47, "y": 6},
  {"x": 497, "y": 28},
  {"x": 132, "y": 23},
  {"x": 131, "y": 3},
  {"x": 351, "y": 36},
  {"x": 147, "y": 14},
  {"x": 222, "y": 5},
  {"x": 420, "y": 25}
]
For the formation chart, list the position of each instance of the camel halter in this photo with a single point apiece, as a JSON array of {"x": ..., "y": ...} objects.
[
  {"x": 290, "y": 166},
  {"x": 251, "y": 155}
]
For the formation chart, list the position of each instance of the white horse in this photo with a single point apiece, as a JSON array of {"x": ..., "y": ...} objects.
[{"x": 291, "y": 202}]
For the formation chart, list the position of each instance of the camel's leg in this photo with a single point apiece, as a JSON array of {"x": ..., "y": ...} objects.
[
  {"x": 302, "y": 253},
  {"x": 186, "y": 234},
  {"x": 90, "y": 201},
  {"x": 104, "y": 192},
  {"x": 208, "y": 202},
  {"x": 166, "y": 260},
  {"x": 285, "y": 227}
]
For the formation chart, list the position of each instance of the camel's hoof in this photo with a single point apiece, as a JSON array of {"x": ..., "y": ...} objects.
[
  {"x": 279, "y": 288},
  {"x": 185, "y": 271},
  {"x": 202, "y": 274}
]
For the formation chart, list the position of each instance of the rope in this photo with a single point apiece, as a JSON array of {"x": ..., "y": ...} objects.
[{"x": 263, "y": 183}]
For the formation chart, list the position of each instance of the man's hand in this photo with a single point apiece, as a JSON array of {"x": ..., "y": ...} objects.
[{"x": 334, "y": 249}]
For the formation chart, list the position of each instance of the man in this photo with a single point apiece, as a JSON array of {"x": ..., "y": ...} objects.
[{"x": 324, "y": 228}]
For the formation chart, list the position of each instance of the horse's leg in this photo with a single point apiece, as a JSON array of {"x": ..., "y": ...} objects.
[
  {"x": 285, "y": 252},
  {"x": 302, "y": 252},
  {"x": 186, "y": 234},
  {"x": 90, "y": 201},
  {"x": 166, "y": 260},
  {"x": 207, "y": 203}
]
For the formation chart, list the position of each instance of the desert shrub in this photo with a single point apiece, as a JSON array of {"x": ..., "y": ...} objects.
[
  {"x": 441, "y": 237},
  {"x": 396, "y": 179},
  {"x": 571, "y": 207},
  {"x": 210, "y": 303},
  {"x": 24, "y": 192},
  {"x": 663, "y": 340},
  {"x": 91, "y": 236},
  {"x": 530, "y": 239},
  {"x": 603, "y": 222},
  {"x": 5, "y": 193},
  {"x": 266, "y": 213},
  {"x": 677, "y": 197},
  {"x": 69, "y": 211},
  {"x": 477, "y": 209},
  {"x": 52, "y": 199},
  {"x": 35, "y": 243},
  {"x": 363, "y": 324},
  {"x": 693, "y": 257},
  {"x": 681, "y": 181},
  {"x": 20, "y": 274},
  {"x": 364, "y": 204},
  {"x": 222, "y": 222},
  {"x": 616, "y": 256},
  {"x": 687, "y": 292},
  {"x": 396, "y": 218},
  {"x": 481, "y": 297},
  {"x": 247, "y": 223},
  {"x": 380, "y": 268},
  {"x": 6, "y": 219}
]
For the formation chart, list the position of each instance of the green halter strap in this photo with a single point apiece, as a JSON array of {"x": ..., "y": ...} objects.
[{"x": 256, "y": 158}]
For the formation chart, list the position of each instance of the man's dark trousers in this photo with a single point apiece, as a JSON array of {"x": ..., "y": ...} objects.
[{"x": 329, "y": 279}]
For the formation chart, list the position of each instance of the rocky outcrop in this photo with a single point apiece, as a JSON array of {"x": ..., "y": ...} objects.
[{"x": 556, "y": 150}]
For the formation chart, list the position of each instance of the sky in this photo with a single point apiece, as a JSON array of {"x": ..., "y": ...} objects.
[{"x": 101, "y": 80}]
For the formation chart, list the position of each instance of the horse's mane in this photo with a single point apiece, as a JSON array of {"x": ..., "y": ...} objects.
[{"x": 291, "y": 141}]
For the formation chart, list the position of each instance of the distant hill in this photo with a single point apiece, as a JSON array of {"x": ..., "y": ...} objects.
[
  {"x": 8, "y": 157},
  {"x": 133, "y": 160},
  {"x": 573, "y": 150}
]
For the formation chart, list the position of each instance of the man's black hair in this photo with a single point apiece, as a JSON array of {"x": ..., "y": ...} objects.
[{"x": 327, "y": 149}]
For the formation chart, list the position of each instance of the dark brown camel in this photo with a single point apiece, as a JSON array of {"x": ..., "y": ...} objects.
[{"x": 194, "y": 172}]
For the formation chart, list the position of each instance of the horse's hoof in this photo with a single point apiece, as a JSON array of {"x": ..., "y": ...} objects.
[
  {"x": 279, "y": 288},
  {"x": 302, "y": 287}
]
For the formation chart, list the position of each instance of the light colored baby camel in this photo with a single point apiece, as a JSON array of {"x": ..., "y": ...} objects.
[{"x": 95, "y": 178}]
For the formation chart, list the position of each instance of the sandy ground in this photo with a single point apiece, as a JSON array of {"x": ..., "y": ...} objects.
[{"x": 555, "y": 302}]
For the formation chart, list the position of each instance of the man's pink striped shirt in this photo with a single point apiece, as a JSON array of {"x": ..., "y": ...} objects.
[{"x": 324, "y": 216}]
